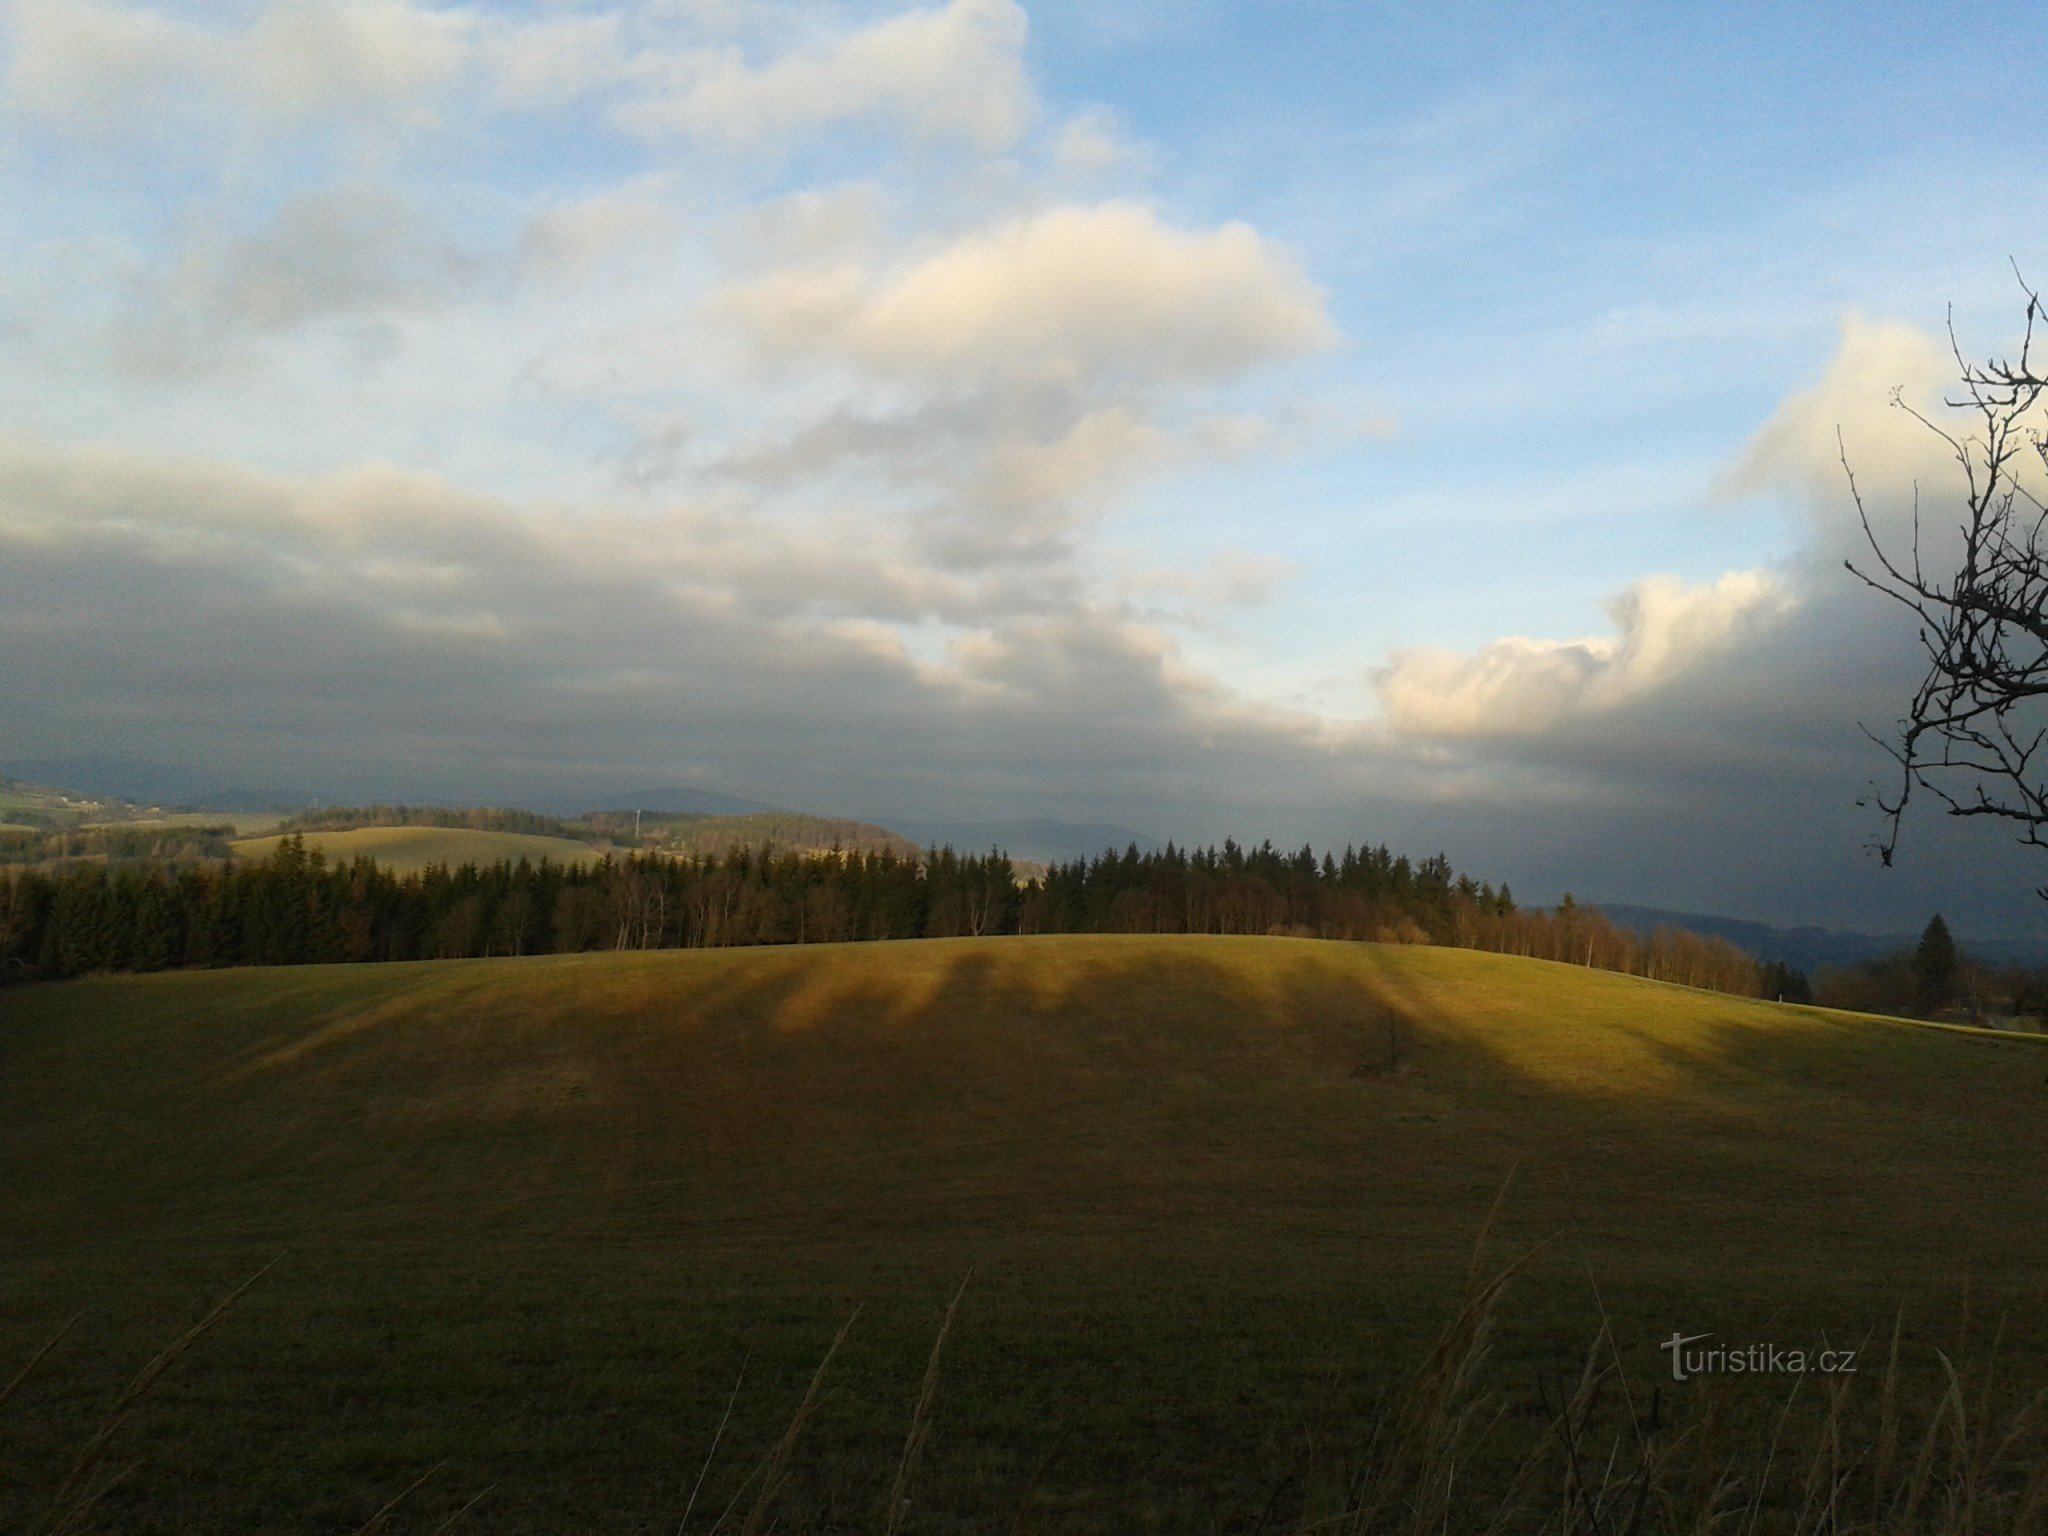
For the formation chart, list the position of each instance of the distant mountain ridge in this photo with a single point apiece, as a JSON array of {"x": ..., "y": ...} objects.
[
  {"x": 1809, "y": 948},
  {"x": 142, "y": 782},
  {"x": 677, "y": 800}
]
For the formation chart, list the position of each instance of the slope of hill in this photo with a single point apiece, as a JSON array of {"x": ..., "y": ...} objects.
[
  {"x": 28, "y": 803},
  {"x": 406, "y": 849},
  {"x": 985, "y": 1081},
  {"x": 535, "y": 1214}
]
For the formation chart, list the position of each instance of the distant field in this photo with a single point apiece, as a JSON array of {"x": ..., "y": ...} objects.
[
  {"x": 245, "y": 823},
  {"x": 531, "y": 1217},
  {"x": 406, "y": 849}
]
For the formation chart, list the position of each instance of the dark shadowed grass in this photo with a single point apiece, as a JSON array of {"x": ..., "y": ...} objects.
[{"x": 537, "y": 1215}]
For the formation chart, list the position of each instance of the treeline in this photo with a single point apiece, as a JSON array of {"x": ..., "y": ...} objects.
[
  {"x": 116, "y": 844},
  {"x": 489, "y": 818},
  {"x": 1936, "y": 979},
  {"x": 296, "y": 908}
]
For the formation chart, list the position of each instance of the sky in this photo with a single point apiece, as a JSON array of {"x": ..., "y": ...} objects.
[{"x": 1312, "y": 422}]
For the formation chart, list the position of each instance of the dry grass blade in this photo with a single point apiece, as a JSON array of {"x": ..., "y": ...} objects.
[
  {"x": 1755, "y": 1517},
  {"x": 711, "y": 1455},
  {"x": 71, "y": 1497},
  {"x": 34, "y": 1360},
  {"x": 778, "y": 1461},
  {"x": 471, "y": 1503},
  {"x": 376, "y": 1522},
  {"x": 1887, "y": 1453},
  {"x": 921, "y": 1417},
  {"x": 1419, "y": 1466},
  {"x": 1906, "y": 1513}
]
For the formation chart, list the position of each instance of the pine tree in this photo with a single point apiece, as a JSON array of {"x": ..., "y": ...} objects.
[{"x": 1935, "y": 966}]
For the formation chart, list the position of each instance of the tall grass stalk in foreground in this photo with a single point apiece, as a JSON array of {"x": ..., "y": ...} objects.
[
  {"x": 921, "y": 1419},
  {"x": 81, "y": 1488}
]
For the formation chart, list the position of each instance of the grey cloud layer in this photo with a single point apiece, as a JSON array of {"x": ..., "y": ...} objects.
[{"x": 326, "y": 627}]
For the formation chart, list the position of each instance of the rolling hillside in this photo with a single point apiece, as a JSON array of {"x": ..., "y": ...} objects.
[
  {"x": 530, "y": 1216},
  {"x": 406, "y": 849}
]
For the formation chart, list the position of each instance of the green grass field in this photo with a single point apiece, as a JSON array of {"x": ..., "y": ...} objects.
[
  {"x": 531, "y": 1219},
  {"x": 404, "y": 850}
]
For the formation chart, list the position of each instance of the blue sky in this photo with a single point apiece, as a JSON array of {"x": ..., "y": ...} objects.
[{"x": 1313, "y": 420}]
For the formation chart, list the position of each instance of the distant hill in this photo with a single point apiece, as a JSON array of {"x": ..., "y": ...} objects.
[
  {"x": 46, "y": 806},
  {"x": 677, "y": 800},
  {"x": 716, "y": 836},
  {"x": 145, "y": 783},
  {"x": 1809, "y": 948},
  {"x": 1045, "y": 842}
]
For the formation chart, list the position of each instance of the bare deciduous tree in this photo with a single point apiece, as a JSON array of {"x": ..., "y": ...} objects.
[{"x": 1973, "y": 734}]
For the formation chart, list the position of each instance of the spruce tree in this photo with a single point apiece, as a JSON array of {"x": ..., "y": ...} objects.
[{"x": 1935, "y": 965}]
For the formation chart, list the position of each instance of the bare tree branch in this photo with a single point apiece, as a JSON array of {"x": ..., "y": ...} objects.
[{"x": 1972, "y": 736}]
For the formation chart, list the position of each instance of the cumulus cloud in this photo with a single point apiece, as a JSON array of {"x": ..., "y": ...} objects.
[
  {"x": 1082, "y": 291},
  {"x": 955, "y": 72},
  {"x": 1520, "y": 687},
  {"x": 1848, "y": 422},
  {"x": 1010, "y": 382},
  {"x": 1791, "y": 636}
]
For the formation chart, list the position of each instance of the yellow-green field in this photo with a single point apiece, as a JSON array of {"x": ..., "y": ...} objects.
[
  {"x": 530, "y": 1217},
  {"x": 405, "y": 850}
]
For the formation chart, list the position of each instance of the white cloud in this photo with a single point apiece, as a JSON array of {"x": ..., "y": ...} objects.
[
  {"x": 112, "y": 70},
  {"x": 1849, "y": 415},
  {"x": 1522, "y": 687},
  {"x": 105, "y": 69},
  {"x": 1073, "y": 292},
  {"x": 955, "y": 72},
  {"x": 309, "y": 58},
  {"x": 545, "y": 64}
]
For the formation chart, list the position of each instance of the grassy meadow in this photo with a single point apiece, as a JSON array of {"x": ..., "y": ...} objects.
[
  {"x": 534, "y": 1226},
  {"x": 407, "y": 850}
]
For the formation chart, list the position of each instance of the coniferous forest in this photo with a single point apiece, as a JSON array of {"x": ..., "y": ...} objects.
[{"x": 296, "y": 908}]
